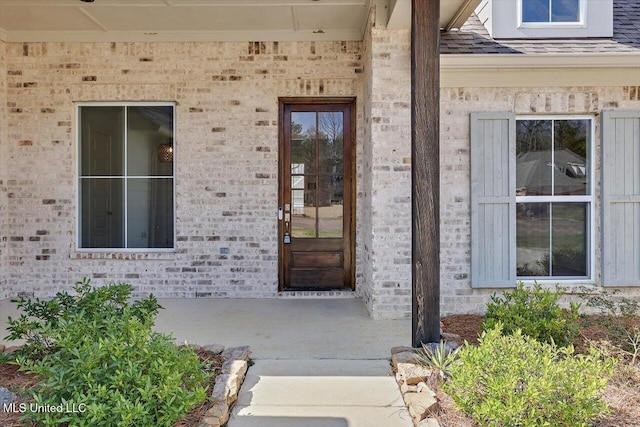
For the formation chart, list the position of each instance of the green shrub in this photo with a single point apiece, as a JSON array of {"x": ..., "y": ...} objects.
[
  {"x": 97, "y": 354},
  {"x": 515, "y": 380},
  {"x": 535, "y": 312},
  {"x": 38, "y": 325}
]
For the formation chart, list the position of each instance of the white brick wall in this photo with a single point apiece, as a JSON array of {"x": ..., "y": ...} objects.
[
  {"x": 388, "y": 174},
  {"x": 226, "y": 151},
  {"x": 3, "y": 173},
  {"x": 456, "y": 104},
  {"x": 387, "y": 202},
  {"x": 364, "y": 269}
]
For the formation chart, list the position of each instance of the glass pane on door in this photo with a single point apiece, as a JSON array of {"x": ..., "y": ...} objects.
[
  {"x": 303, "y": 215},
  {"x": 303, "y": 143},
  {"x": 330, "y": 206},
  {"x": 331, "y": 142}
]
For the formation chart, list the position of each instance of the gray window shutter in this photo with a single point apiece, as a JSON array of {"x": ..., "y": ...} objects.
[
  {"x": 493, "y": 200},
  {"x": 621, "y": 198}
]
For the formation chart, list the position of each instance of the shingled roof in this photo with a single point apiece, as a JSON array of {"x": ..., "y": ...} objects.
[{"x": 473, "y": 38}]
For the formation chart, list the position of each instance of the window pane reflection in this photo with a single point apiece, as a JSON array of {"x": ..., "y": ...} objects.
[
  {"x": 303, "y": 142},
  {"x": 552, "y": 239},
  {"x": 330, "y": 206},
  {"x": 533, "y": 239},
  {"x": 150, "y": 141},
  {"x": 535, "y": 10},
  {"x": 331, "y": 142},
  {"x": 102, "y": 141},
  {"x": 150, "y": 213},
  {"x": 533, "y": 158},
  {"x": 569, "y": 239},
  {"x": 570, "y": 157},
  {"x": 102, "y": 213},
  {"x": 565, "y": 10},
  {"x": 303, "y": 215}
]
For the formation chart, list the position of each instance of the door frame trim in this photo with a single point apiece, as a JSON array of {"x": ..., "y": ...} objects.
[{"x": 346, "y": 100}]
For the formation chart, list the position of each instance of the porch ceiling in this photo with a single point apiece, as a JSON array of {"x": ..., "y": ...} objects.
[{"x": 194, "y": 20}]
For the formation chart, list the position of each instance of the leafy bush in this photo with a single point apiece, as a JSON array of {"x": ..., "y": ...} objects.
[
  {"x": 515, "y": 380},
  {"x": 40, "y": 321},
  {"x": 97, "y": 354},
  {"x": 535, "y": 312}
]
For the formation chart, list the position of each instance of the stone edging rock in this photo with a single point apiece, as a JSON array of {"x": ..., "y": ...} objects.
[
  {"x": 412, "y": 378},
  {"x": 227, "y": 383},
  {"x": 225, "y": 390}
]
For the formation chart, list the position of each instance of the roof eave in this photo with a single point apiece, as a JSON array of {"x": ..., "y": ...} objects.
[
  {"x": 539, "y": 70},
  {"x": 533, "y": 61}
]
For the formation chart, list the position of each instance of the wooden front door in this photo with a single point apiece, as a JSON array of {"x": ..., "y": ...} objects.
[{"x": 316, "y": 214}]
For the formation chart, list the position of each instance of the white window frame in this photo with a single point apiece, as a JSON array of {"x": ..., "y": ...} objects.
[
  {"x": 79, "y": 176},
  {"x": 581, "y": 23},
  {"x": 591, "y": 234}
]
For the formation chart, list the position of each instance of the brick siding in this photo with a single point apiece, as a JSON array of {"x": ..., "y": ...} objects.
[
  {"x": 226, "y": 151},
  {"x": 227, "y": 161}
]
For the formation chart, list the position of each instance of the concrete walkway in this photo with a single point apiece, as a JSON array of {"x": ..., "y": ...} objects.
[
  {"x": 318, "y": 362},
  {"x": 320, "y": 393}
]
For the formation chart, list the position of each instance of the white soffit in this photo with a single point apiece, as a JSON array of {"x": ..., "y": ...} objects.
[
  {"x": 453, "y": 13},
  {"x": 182, "y": 20}
]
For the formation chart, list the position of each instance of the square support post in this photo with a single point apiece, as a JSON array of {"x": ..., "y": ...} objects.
[{"x": 425, "y": 170}]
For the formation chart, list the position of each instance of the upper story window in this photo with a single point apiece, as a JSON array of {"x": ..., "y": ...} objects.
[
  {"x": 551, "y": 11},
  {"x": 546, "y": 19},
  {"x": 126, "y": 176}
]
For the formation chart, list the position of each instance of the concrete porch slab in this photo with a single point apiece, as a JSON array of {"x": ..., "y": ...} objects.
[
  {"x": 276, "y": 328},
  {"x": 286, "y": 329}
]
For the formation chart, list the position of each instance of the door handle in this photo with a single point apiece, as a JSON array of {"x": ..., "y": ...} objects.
[
  {"x": 287, "y": 220},
  {"x": 287, "y": 234}
]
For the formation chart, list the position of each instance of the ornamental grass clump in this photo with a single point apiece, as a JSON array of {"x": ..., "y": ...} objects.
[
  {"x": 440, "y": 359},
  {"x": 517, "y": 381},
  {"x": 101, "y": 362}
]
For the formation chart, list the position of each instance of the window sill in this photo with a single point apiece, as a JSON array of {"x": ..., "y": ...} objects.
[
  {"x": 551, "y": 25},
  {"x": 168, "y": 255}
]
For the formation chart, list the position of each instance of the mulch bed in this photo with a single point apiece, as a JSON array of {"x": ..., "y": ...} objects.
[
  {"x": 622, "y": 393},
  {"x": 194, "y": 417},
  {"x": 12, "y": 379}
]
